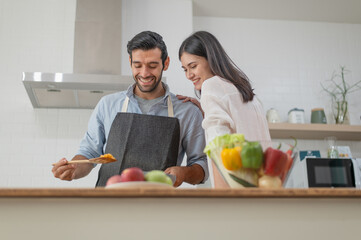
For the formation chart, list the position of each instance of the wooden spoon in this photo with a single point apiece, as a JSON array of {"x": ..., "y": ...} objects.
[{"x": 98, "y": 160}]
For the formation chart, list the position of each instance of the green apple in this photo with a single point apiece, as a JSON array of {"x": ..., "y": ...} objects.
[{"x": 158, "y": 176}]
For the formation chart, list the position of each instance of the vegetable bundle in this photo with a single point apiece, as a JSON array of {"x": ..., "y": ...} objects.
[{"x": 243, "y": 163}]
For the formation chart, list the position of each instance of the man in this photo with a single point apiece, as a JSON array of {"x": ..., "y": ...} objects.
[{"x": 145, "y": 126}]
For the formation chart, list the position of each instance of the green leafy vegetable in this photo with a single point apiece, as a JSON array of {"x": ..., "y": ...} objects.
[
  {"x": 241, "y": 181},
  {"x": 218, "y": 143}
]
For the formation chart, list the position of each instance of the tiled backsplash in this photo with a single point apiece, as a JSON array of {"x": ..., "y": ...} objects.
[{"x": 285, "y": 61}]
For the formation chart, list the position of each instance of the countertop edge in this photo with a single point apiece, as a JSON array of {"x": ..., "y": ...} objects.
[{"x": 178, "y": 193}]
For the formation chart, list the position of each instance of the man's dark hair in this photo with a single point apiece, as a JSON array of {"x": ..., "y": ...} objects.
[{"x": 145, "y": 41}]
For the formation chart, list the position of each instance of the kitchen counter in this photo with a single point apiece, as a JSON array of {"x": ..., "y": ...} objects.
[
  {"x": 179, "y": 193},
  {"x": 179, "y": 213}
]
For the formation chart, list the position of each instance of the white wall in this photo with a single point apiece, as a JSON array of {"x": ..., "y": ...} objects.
[
  {"x": 287, "y": 60},
  {"x": 170, "y": 18},
  {"x": 38, "y": 35},
  {"x": 291, "y": 58},
  {"x": 35, "y": 35}
]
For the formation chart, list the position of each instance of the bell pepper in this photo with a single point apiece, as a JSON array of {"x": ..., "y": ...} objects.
[
  {"x": 231, "y": 158},
  {"x": 290, "y": 155},
  {"x": 275, "y": 162},
  {"x": 252, "y": 155}
]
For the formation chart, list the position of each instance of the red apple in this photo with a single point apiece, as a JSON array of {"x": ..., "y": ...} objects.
[
  {"x": 132, "y": 174},
  {"x": 113, "y": 179}
]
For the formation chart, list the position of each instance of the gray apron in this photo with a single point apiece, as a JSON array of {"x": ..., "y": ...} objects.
[{"x": 139, "y": 140}]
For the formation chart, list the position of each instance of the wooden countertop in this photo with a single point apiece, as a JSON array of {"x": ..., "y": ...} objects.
[{"x": 178, "y": 193}]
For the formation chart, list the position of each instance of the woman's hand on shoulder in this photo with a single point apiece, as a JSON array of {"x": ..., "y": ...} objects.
[{"x": 193, "y": 100}]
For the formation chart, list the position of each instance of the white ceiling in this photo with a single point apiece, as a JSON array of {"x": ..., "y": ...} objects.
[{"x": 337, "y": 11}]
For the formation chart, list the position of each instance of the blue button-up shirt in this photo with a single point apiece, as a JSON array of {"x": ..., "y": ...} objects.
[{"x": 192, "y": 139}]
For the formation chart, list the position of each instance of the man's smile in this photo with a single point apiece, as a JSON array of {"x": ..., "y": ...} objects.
[{"x": 146, "y": 80}]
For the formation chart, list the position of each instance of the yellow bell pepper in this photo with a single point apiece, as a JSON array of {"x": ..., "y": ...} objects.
[{"x": 231, "y": 158}]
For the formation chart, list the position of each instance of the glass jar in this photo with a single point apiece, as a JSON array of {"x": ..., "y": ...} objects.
[{"x": 332, "y": 151}]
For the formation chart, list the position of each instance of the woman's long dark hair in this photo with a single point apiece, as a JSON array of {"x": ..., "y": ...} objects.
[{"x": 204, "y": 44}]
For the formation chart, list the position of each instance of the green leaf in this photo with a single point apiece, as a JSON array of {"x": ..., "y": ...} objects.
[
  {"x": 241, "y": 181},
  {"x": 226, "y": 140}
]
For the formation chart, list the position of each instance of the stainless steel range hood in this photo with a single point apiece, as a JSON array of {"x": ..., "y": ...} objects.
[
  {"x": 97, "y": 61},
  {"x": 67, "y": 90}
]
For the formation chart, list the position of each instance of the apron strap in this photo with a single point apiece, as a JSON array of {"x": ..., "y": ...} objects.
[
  {"x": 169, "y": 103},
  {"x": 170, "y": 107},
  {"x": 125, "y": 104}
]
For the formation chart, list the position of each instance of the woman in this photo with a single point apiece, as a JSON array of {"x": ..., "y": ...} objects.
[{"x": 226, "y": 95}]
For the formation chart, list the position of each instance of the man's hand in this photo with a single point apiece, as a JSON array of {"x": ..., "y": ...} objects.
[
  {"x": 68, "y": 172},
  {"x": 193, "y": 100},
  {"x": 178, "y": 172},
  {"x": 193, "y": 174},
  {"x": 63, "y": 170}
]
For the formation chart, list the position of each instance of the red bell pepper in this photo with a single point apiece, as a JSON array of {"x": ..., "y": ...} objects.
[
  {"x": 275, "y": 162},
  {"x": 289, "y": 160},
  {"x": 288, "y": 165}
]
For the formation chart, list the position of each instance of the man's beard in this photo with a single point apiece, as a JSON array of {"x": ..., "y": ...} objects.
[{"x": 140, "y": 87}]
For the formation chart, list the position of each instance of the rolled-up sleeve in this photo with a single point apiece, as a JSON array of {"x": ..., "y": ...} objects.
[
  {"x": 194, "y": 144},
  {"x": 92, "y": 144},
  {"x": 217, "y": 120}
]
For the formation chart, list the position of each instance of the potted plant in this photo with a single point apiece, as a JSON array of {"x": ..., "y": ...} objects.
[{"x": 339, "y": 91}]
